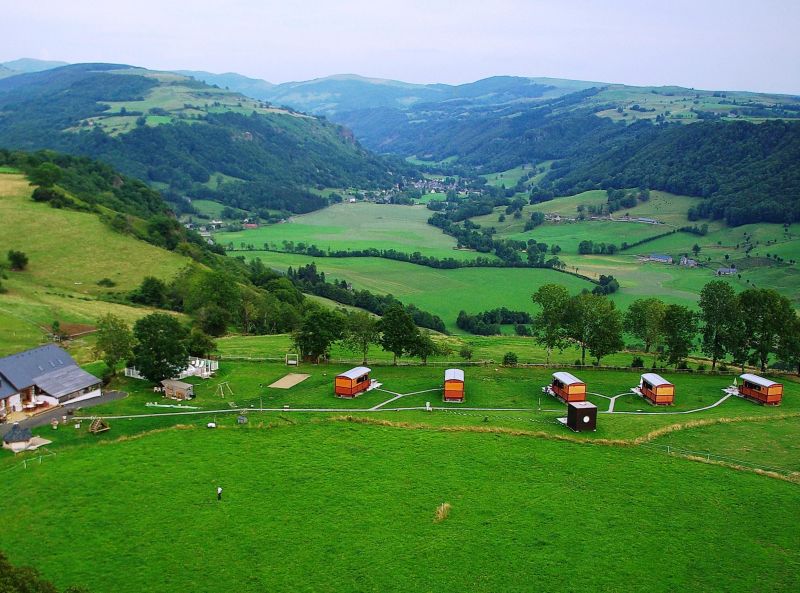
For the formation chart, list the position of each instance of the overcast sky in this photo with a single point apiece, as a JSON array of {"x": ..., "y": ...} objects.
[{"x": 711, "y": 44}]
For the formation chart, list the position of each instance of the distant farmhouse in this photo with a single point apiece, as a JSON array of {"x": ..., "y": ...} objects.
[
  {"x": 40, "y": 378},
  {"x": 690, "y": 263},
  {"x": 659, "y": 258},
  {"x": 726, "y": 271}
]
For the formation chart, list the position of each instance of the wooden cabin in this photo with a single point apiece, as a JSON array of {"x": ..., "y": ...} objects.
[
  {"x": 760, "y": 389},
  {"x": 454, "y": 385},
  {"x": 568, "y": 387},
  {"x": 352, "y": 382},
  {"x": 581, "y": 416},
  {"x": 657, "y": 389},
  {"x": 177, "y": 389}
]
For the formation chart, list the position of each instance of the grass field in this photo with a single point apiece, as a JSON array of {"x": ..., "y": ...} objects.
[
  {"x": 442, "y": 292},
  {"x": 69, "y": 252},
  {"x": 356, "y": 226},
  {"x": 342, "y": 506}
]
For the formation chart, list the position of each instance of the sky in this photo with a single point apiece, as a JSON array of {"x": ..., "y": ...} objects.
[{"x": 709, "y": 44}]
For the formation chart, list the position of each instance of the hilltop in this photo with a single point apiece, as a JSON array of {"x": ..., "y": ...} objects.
[{"x": 186, "y": 138}]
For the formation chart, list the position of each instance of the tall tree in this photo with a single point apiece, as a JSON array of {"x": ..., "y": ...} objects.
[
  {"x": 114, "y": 341},
  {"x": 680, "y": 328},
  {"x": 423, "y": 347},
  {"x": 398, "y": 332},
  {"x": 548, "y": 324},
  {"x": 160, "y": 351},
  {"x": 644, "y": 320},
  {"x": 200, "y": 343},
  {"x": 319, "y": 329},
  {"x": 789, "y": 344},
  {"x": 361, "y": 331},
  {"x": 718, "y": 312},
  {"x": 766, "y": 316},
  {"x": 595, "y": 324}
]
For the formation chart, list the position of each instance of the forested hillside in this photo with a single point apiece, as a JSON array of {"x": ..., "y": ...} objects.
[{"x": 179, "y": 133}]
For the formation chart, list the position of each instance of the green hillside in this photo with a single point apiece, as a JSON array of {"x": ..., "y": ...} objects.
[{"x": 172, "y": 130}]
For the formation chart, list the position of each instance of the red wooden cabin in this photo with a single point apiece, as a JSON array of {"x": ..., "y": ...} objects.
[
  {"x": 454, "y": 385},
  {"x": 657, "y": 389},
  {"x": 352, "y": 382},
  {"x": 760, "y": 389},
  {"x": 568, "y": 387}
]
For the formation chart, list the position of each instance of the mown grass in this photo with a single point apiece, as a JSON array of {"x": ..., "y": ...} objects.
[{"x": 342, "y": 506}]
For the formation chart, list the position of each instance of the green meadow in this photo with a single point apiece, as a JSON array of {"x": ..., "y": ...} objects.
[
  {"x": 355, "y": 226},
  {"x": 347, "y": 500}
]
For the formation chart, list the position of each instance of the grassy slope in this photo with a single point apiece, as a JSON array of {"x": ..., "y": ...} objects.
[
  {"x": 68, "y": 252},
  {"x": 343, "y": 507},
  {"x": 357, "y": 226}
]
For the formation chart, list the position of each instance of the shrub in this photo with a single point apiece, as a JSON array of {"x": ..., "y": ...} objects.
[
  {"x": 465, "y": 352},
  {"x": 510, "y": 359},
  {"x": 637, "y": 363},
  {"x": 108, "y": 282},
  {"x": 577, "y": 362},
  {"x": 18, "y": 260},
  {"x": 723, "y": 367},
  {"x": 702, "y": 366}
]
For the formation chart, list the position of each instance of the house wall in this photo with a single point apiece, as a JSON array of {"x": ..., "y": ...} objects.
[{"x": 453, "y": 390}]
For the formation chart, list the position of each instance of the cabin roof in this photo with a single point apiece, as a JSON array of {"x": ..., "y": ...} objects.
[
  {"x": 355, "y": 373},
  {"x": 66, "y": 380},
  {"x": 454, "y": 375},
  {"x": 757, "y": 380},
  {"x": 566, "y": 378},
  {"x": 175, "y": 384},
  {"x": 655, "y": 380},
  {"x": 22, "y": 368},
  {"x": 17, "y": 434}
]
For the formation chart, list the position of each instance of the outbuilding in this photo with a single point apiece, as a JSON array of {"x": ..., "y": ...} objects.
[
  {"x": 581, "y": 416},
  {"x": 568, "y": 387},
  {"x": 18, "y": 438},
  {"x": 177, "y": 389},
  {"x": 351, "y": 383},
  {"x": 657, "y": 389},
  {"x": 760, "y": 389},
  {"x": 454, "y": 385}
]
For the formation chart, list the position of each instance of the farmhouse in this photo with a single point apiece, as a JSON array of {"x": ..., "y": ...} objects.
[
  {"x": 688, "y": 262},
  {"x": 568, "y": 387},
  {"x": 657, "y": 390},
  {"x": 350, "y": 383},
  {"x": 760, "y": 389},
  {"x": 725, "y": 271},
  {"x": 454, "y": 385},
  {"x": 660, "y": 258},
  {"x": 47, "y": 376}
]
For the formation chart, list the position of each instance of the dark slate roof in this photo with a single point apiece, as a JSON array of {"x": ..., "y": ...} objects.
[
  {"x": 22, "y": 368},
  {"x": 65, "y": 380},
  {"x": 17, "y": 434},
  {"x": 6, "y": 388}
]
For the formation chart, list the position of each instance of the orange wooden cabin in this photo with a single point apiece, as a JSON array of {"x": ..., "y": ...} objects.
[
  {"x": 454, "y": 385},
  {"x": 352, "y": 382},
  {"x": 568, "y": 387},
  {"x": 760, "y": 389},
  {"x": 657, "y": 389}
]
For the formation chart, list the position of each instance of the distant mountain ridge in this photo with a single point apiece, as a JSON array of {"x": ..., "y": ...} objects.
[{"x": 185, "y": 137}]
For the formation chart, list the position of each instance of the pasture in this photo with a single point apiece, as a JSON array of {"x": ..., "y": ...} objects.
[
  {"x": 355, "y": 226},
  {"x": 356, "y": 493},
  {"x": 442, "y": 292}
]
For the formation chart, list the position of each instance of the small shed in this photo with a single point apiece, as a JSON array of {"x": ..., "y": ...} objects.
[
  {"x": 657, "y": 389},
  {"x": 18, "y": 438},
  {"x": 177, "y": 389},
  {"x": 351, "y": 383},
  {"x": 760, "y": 389},
  {"x": 568, "y": 387},
  {"x": 454, "y": 385},
  {"x": 581, "y": 416}
]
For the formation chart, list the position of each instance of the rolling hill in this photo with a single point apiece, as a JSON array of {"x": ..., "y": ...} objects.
[{"x": 178, "y": 133}]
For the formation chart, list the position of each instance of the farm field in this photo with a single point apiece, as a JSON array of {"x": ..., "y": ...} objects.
[
  {"x": 356, "y": 226},
  {"x": 361, "y": 499},
  {"x": 442, "y": 292}
]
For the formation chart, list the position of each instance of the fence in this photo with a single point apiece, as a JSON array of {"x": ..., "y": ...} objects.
[
  {"x": 708, "y": 456},
  {"x": 30, "y": 461}
]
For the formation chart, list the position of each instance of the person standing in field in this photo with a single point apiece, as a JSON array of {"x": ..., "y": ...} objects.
[{"x": 219, "y": 492}]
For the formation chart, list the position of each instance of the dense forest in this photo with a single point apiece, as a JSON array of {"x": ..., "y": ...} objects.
[{"x": 270, "y": 160}]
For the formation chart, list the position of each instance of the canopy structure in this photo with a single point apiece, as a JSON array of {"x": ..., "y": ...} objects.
[
  {"x": 566, "y": 378},
  {"x": 355, "y": 373},
  {"x": 757, "y": 380},
  {"x": 454, "y": 375}
]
